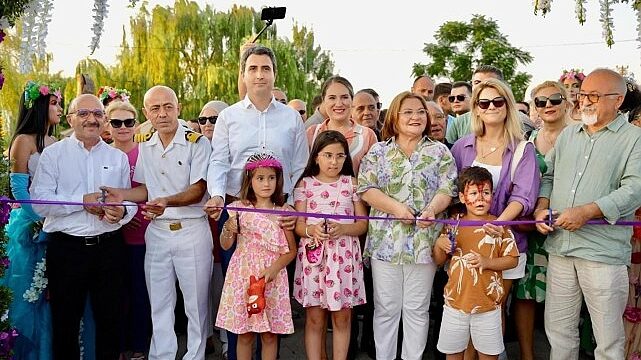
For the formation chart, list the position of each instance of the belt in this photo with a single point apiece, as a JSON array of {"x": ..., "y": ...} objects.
[
  {"x": 176, "y": 224},
  {"x": 90, "y": 240}
]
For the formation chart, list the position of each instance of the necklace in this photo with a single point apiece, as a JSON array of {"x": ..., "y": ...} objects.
[{"x": 491, "y": 151}]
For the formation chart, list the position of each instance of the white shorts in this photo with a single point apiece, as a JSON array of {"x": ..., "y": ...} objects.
[
  {"x": 518, "y": 271},
  {"x": 458, "y": 327}
]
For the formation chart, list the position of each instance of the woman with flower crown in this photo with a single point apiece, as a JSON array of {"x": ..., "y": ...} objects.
[
  {"x": 29, "y": 313},
  {"x": 571, "y": 80}
]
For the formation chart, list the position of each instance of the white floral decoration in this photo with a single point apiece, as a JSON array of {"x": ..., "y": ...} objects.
[
  {"x": 100, "y": 10},
  {"x": 80, "y": 341},
  {"x": 38, "y": 283},
  {"x": 544, "y": 6},
  {"x": 606, "y": 21},
  {"x": 5, "y": 316},
  {"x": 4, "y": 23},
  {"x": 580, "y": 11},
  {"x": 44, "y": 17},
  {"x": 29, "y": 27}
]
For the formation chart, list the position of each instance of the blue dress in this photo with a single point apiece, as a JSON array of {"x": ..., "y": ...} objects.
[{"x": 29, "y": 310}]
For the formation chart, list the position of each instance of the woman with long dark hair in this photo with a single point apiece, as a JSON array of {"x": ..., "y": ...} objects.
[{"x": 40, "y": 112}]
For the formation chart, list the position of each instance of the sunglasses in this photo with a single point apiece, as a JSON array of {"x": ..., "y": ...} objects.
[
  {"x": 542, "y": 101},
  {"x": 498, "y": 102},
  {"x": 116, "y": 123},
  {"x": 212, "y": 119},
  {"x": 459, "y": 97},
  {"x": 379, "y": 105},
  {"x": 302, "y": 112}
]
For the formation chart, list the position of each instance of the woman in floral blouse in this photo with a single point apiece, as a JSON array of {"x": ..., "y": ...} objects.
[{"x": 411, "y": 177}]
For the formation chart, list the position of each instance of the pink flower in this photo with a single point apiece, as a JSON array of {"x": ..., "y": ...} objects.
[
  {"x": 316, "y": 279},
  {"x": 337, "y": 296},
  {"x": 324, "y": 194},
  {"x": 44, "y": 90},
  {"x": 307, "y": 270},
  {"x": 347, "y": 292},
  {"x": 348, "y": 269},
  {"x": 113, "y": 93},
  {"x": 298, "y": 281},
  {"x": 329, "y": 283},
  {"x": 308, "y": 194},
  {"x": 341, "y": 260},
  {"x": 348, "y": 254},
  {"x": 345, "y": 193},
  {"x": 632, "y": 314},
  {"x": 345, "y": 180},
  {"x": 342, "y": 243},
  {"x": 313, "y": 205}
]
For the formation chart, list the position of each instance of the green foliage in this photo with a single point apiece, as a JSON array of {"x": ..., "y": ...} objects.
[
  {"x": 13, "y": 9},
  {"x": 462, "y": 46}
]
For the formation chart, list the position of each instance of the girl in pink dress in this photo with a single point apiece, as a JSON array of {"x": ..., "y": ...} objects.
[
  {"x": 329, "y": 268},
  {"x": 263, "y": 251}
]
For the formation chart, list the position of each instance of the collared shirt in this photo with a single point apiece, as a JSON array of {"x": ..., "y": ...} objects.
[
  {"x": 315, "y": 119},
  {"x": 524, "y": 188},
  {"x": 242, "y": 130},
  {"x": 413, "y": 181},
  {"x": 459, "y": 128},
  {"x": 359, "y": 138},
  {"x": 171, "y": 170},
  {"x": 604, "y": 168},
  {"x": 66, "y": 172}
]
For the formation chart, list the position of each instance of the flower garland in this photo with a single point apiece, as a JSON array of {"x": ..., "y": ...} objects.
[
  {"x": 542, "y": 5},
  {"x": 575, "y": 74},
  {"x": 580, "y": 11},
  {"x": 112, "y": 93},
  {"x": 35, "y": 89},
  {"x": 39, "y": 282},
  {"x": 27, "y": 48},
  {"x": 100, "y": 10},
  {"x": 606, "y": 21}
]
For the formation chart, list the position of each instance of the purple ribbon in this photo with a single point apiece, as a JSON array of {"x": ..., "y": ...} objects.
[{"x": 5, "y": 200}]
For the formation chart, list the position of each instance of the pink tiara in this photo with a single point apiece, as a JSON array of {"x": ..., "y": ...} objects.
[{"x": 262, "y": 160}]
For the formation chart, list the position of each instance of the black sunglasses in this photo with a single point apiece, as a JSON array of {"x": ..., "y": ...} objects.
[
  {"x": 542, "y": 101},
  {"x": 116, "y": 123},
  {"x": 498, "y": 102},
  {"x": 379, "y": 105},
  {"x": 212, "y": 119},
  {"x": 459, "y": 97},
  {"x": 302, "y": 112}
]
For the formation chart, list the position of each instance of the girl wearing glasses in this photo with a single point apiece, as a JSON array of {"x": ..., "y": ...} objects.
[
  {"x": 496, "y": 134},
  {"x": 337, "y": 95},
  {"x": 553, "y": 108},
  {"x": 329, "y": 267},
  {"x": 208, "y": 117},
  {"x": 121, "y": 117},
  {"x": 29, "y": 313}
]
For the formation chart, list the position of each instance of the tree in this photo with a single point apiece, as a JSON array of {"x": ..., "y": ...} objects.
[
  {"x": 196, "y": 52},
  {"x": 460, "y": 47}
]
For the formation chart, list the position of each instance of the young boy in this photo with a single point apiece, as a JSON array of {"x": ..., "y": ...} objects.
[{"x": 475, "y": 287}]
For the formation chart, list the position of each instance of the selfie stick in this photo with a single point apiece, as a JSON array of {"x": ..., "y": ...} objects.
[
  {"x": 267, "y": 24},
  {"x": 269, "y": 14}
]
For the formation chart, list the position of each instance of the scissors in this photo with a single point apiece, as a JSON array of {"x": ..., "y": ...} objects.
[
  {"x": 103, "y": 196},
  {"x": 451, "y": 234}
]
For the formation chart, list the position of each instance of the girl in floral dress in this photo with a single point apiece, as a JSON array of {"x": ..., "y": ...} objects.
[
  {"x": 329, "y": 268},
  {"x": 263, "y": 251}
]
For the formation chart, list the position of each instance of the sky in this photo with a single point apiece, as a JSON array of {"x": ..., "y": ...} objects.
[{"x": 375, "y": 44}]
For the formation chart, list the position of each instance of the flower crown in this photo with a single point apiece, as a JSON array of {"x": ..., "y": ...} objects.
[
  {"x": 575, "y": 74},
  {"x": 112, "y": 93},
  {"x": 262, "y": 160},
  {"x": 35, "y": 89}
]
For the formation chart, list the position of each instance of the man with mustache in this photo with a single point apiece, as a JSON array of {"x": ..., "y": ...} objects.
[
  {"x": 86, "y": 249},
  {"x": 594, "y": 172}
]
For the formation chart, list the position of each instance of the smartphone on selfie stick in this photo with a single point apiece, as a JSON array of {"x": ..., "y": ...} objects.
[{"x": 269, "y": 14}]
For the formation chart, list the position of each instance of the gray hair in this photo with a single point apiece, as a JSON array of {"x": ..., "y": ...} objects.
[{"x": 216, "y": 105}]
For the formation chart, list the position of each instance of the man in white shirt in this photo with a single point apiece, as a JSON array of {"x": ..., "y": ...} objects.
[
  {"x": 86, "y": 248},
  {"x": 256, "y": 123},
  {"x": 172, "y": 168}
]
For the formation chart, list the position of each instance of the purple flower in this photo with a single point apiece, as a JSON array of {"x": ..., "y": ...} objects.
[
  {"x": 5, "y": 210},
  {"x": 1, "y": 79},
  {"x": 5, "y": 262},
  {"x": 2, "y": 35}
]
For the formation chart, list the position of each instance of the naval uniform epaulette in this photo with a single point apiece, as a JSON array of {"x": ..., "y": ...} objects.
[
  {"x": 142, "y": 137},
  {"x": 192, "y": 136}
]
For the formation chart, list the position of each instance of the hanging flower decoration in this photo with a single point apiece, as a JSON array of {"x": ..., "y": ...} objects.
[
  {"x": 544, "y": 6},
  {"x": 606, "y": 21},
  {"x": 100, "y": 10},
  {"x": 108, "y": 93},
  {"x": 580, "y": 11}
]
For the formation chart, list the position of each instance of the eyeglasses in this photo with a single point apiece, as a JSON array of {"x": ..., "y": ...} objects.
[
  {"x": 330, "y": 156},
  {"x": 212, "y": 119},
  {"x": 98, "y": 114},
  {"x": 542, "y": 101},
  {"x": 593, "y": 97},
  {"x": 409, "y": 113},
  {"x": 116, "y": 123},
  {"x": 498, "y": 102},
  {"x": 523, "y": 112},
  {"x": 302, "y": 112},
  {"x": 459, "y": 97},
  {"x": 439, "y": 116}
]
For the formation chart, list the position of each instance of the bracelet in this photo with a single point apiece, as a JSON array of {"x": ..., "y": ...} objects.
[{"x": 306, "y": 232}]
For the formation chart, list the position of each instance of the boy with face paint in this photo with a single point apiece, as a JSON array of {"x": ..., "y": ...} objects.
[{"x": 474, "y": 290}]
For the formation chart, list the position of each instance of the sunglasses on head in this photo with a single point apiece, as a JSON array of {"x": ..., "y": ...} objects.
[
  {"x": 212, "y": 119},
  {"x": 459, "y": 97},
  {"x": 542, "y": 101},
  {"x": 498, "y": 102},
  {"x": 116, "y": 123}
]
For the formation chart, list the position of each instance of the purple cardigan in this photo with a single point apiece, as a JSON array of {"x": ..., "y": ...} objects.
[{"x": 525, "y": 188}]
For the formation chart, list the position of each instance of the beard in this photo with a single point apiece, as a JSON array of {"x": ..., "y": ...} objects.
[{"x": 589, "y": 118}]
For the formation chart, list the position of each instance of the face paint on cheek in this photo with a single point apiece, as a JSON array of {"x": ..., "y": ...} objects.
[{"x": 473, "y": 199}]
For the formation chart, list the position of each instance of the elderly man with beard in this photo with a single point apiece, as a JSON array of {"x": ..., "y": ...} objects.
[{"x": 594, "y": 172}]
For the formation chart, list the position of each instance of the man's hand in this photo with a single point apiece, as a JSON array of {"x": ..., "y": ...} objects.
[
  {"x": 572, "y": 219},
  {"x": 287, "y": 222},
  {"x": 444, "y": 244},
  {"x": 154, "y": 208},
  {"x": 214, "y": 206},
  {"x": 113, "y": 214},
  {"x": 93, "y": 198},
  {"x": 541, "y": 215},
  {"x": 493, "y": 230}
]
